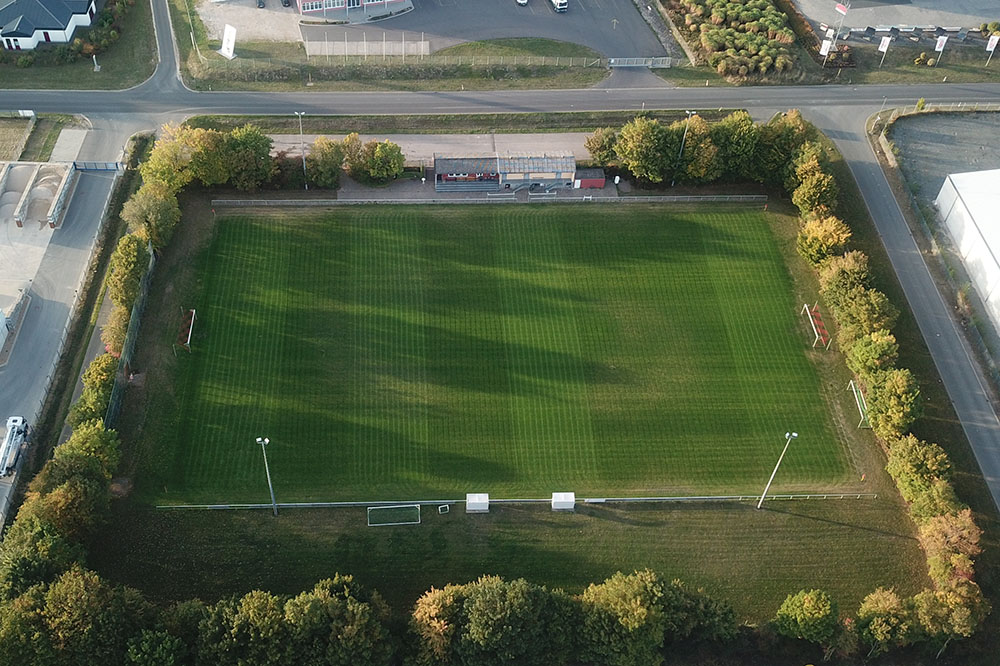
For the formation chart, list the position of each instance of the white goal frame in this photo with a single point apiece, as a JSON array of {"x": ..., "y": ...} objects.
[
  {"x": 859, "y": 400},
  {"x": 393, "y": 506}
]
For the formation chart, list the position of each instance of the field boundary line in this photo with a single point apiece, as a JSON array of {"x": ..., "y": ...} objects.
[
  {"x": 323, "y": 203},
  {"x": 546, "y": 500}
]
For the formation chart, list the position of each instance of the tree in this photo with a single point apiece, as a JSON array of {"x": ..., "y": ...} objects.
[
  {"x": 154, "y": 211},
  {"x": 644, "y": 148},
  {"x": 325, "y": 162},
  {"x": 893, "y": 402},
  {"x": 74, "y": 507},
  {"x": 33, "y": 552},
  {"x": 700, "y": 162},
  {"x": 182, "y": 620},
  {"x": 250, "y": 630},
  {"x": 951, "y": 612},
  {"x": 841, "y": 274},
  {"x": 98, "y": 382},
  {"x": 822, "y": 237},
  {"x": 914, "y": 465},
  {"x": 92, "y": 439},
  {"x": 872, "y": 353},
  {"x": 128, "y": 264},
  {"x": 338, "y": 623},
  {"x": 692, "y": 614},
  {"x": 90, "y": 622},
  {"x": 817, "y": 190},
  {"x": 168, "y": 161},
  {"x": 623, "y": 621},
  {"x": 114, "y": 331},
  {"x": 155, "y": 648},
  {"x": 383, "y": 160},
  {"x": 938, "y": 500},
  {"x": 208, "y": 163},
  {"x": 810, "y": 615},
  {"x": 779, "y": 141},
  {"x": 884, "y": 621},
  {"x": 808, "y": 159},
  {"x": 737, "y": 137},
  {"x": 862, "y": 311},
  {"x": 23, "y": 634},
  {"x": 951, "y": 541},
  {"x": 353, "y": 150},
  {"x": 436, "y": 621},
  {"x": 248, "y": 154},
  {"x": 601, "y": 145}
]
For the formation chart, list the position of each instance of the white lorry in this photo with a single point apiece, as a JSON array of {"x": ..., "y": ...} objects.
[
  {"x": 17, "y": 430},
  {"x": 559, "y": 5}
]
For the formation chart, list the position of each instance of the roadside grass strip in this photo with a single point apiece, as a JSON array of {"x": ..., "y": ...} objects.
[{"x": 416, "y": 352}]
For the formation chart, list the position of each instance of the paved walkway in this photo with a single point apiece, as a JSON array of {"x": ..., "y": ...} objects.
[{"x": 68, "y": 145}]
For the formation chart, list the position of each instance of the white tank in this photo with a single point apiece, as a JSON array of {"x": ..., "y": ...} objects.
[{"x": 17, "y": 429}]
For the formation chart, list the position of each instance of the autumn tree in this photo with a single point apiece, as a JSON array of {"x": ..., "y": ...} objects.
[
  {"x": 647, "y": 149},
  {"x": 325, "y": 162},
  {"x": 841, "y": 274},
  {"x": 74, "y": 507},
  {"x": 862, "y": 311},
  {"x": 153, "y": 211},
  {"x": 383, "y": 160},
  {"x": 951, "y": 542},
  {"x": 249, "y": 630},
  {"x": 127, "y": 265},
  {"x": 884, "y": 621},
  {"x": 822, "y": 236},
  {"x": 914, "y": 465},
  {"x": 248, "y": 156},
  {"x": 208, "y": 160},
  {"x": 167, "y": 164},
  {"x": 818, "y": 190},
  {"x": 737, "y": 137},
  {"x": 98, "y": 382},
  {"x": 115, "y": 329},
  {"x": 894, "y": 402},
  {"x": 809, "y": 158},
  {"x": 872, "y": 352},
  {"x": 601, "y": 145},
  {"x": 33, "y": 551},
  {"x": 623, "y": 621},
  {"x": 700, "y": 160},
  {"x": 436, "y": 621},
  {"x": 780, "y": 139},
  {"x": 92, "y": 439},
  {"x": 810, "y": 615},
  {"x": 155, "y": 648},
  {"x": 354, "y": 159},
  {"x": 950, "y": 613},
  {"x": 938, "y": 500}
]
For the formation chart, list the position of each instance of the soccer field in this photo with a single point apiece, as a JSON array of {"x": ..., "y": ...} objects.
[{"x": 425, "y": 352}]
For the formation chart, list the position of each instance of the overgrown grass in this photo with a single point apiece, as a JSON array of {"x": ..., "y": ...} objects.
[
  {"x": 44, "y": 136},
  {"x": 513, "y": 123},
  {"x": 422, "y": 352},
  {"x": 521, "y": 46},
  {"x": 128, "y": 62},
  {"x": 11, "y": 135}
]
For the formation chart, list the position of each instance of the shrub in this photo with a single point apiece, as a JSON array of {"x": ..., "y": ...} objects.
[
  {"x": 821, "y": 237},
  {"x": 872, "y": 353},
  {"x": 810, "y": 615},
  {"x": 894, "y": 402},
  {"x": 601, "y": 145},
  {"x": 915, "y": 465},
  {"x": 817, "y": 190}
]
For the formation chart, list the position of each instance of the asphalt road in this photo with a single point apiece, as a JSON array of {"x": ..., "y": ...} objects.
[{"x": 838, "y": 110}]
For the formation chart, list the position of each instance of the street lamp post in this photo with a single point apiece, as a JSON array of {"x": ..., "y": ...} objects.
[
  {"x": 789, "y": 436},
  {"x": 680, "y": 155},
  {"x": 302, "y": 149},
  {"x": 264, "y": 441}
]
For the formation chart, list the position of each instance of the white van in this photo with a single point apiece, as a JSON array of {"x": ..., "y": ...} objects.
[
  {"x": 17, "y": 430},
  {"x": 559, "y": 5}
]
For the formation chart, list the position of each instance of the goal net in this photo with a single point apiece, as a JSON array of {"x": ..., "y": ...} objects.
[{"x": 400, "y": 514}]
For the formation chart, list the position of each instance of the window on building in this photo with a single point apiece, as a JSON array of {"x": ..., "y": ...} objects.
[{"x": 313, "y": 6}]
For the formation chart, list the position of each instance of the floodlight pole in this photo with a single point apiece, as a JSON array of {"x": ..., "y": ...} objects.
[
  {"x": 680, "y": 155},
  {"x": 302, "y": 148},
  {"x": 789, "y": 436},
  {"x": 264, "y": 441}
]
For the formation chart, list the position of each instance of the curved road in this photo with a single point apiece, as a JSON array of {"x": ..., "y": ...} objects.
[{"x": 840, "y": 111}]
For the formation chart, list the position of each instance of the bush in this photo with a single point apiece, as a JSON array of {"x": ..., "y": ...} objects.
[
  {"x": 822, "y": 237},
  {"x": 915, "y": 465},
  {"x": 115, "y": 330},
  {"x": 810, "y": 615},
  {"x": 872, "y": 353},
  {"x": 893, "y": 402},
  {"x": 601, "y": 145},
  {"x": 818, "y": 190},
  {"x": 325, "y": 162}
]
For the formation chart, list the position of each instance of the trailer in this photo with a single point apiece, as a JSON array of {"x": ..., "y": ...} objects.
[{"x": 17, "y": 431}]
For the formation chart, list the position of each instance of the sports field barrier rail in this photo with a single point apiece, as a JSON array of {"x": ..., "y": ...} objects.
[
  {"x": 547, "y": 500},
  {"x": 324, "y": 203}
]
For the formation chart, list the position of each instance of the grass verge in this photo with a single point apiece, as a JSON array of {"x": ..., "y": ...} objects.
[
  {"x": 128, "y": 62},
  {"x": 43, "y": 137},
  {"x": 11, "y": 135},
  {"x": 528, "y": 46}
]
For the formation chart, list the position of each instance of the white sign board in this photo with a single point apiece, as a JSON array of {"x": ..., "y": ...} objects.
[
  {"x": 829, "y": 33},
  {"x": 992, "y": 44},
  {"x": 841, "y": 9},
  {"x": 825, "y": 47},
  {"x": 884, "y": 45},
  {"x": 940, "y": 44},
  {"x": 228, "y": 42}
]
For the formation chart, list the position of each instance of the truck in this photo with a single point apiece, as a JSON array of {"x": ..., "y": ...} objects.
[
  {"x": 17, "y": 430},
  {"x": 559, "y": 5}
]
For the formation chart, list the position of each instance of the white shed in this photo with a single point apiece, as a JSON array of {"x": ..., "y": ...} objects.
[
  {"x": 563, "y": 501},
  {"x": 477, "y": 503},
  {"x": 969, "y": 206}
]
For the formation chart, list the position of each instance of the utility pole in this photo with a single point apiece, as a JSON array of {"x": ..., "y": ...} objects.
[
  {"x": 789, "y": 436},
  {"x": 264, "y": 441},
  {"x": 302, "y": 148},
  {"x": 684, "y": 137}
]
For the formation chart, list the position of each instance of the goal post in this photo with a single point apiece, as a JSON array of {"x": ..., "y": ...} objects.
[
  {"x": 821, "y": 337},
  {"x": 859, "y": 400},
  {"x": 397, "y": 514}
]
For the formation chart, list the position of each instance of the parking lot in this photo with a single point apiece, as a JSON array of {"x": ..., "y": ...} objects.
[
  {"x": 864, "y": 13},
  {"x": 612, "y": 27}
]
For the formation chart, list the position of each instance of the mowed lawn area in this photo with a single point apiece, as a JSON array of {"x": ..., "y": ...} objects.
[{"x": 425, "y": 352}]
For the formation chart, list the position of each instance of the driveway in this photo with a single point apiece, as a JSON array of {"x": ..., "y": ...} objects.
[{"x": 611, "y": 27}]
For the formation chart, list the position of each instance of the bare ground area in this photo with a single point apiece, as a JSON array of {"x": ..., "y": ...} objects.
[{"x": 273, "y": 23}]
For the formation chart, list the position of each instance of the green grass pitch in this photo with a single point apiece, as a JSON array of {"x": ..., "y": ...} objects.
[{"x": 421, "y": 353}]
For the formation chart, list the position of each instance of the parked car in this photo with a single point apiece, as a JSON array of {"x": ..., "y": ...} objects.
[
  {"x": 522, "y": 3},
  {"x": 286, "y": 3},
  {"x": 260, "y": 4}
]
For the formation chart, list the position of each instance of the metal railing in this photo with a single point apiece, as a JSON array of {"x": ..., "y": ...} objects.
[{"x": 322, "y": 203}]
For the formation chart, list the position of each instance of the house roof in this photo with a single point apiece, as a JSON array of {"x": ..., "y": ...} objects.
[
  {"x": 21, "y": 18},
  {"x": 481, "y": 164}
]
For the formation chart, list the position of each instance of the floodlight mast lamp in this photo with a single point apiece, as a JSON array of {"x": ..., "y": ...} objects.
[
  {"x": 264, "y": 441},
  {"x": 680, "y": 155},
  {"x": 302, "y": 147},
  {"x": 789, "y": 436}
]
